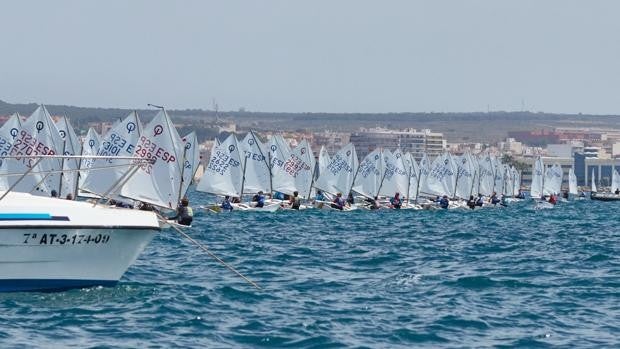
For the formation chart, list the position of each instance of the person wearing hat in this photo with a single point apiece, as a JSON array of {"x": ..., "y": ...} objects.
[{"x": 185, "y": 214}]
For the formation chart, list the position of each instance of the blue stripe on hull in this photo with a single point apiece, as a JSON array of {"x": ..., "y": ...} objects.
[{"x": 47, "y": 285}]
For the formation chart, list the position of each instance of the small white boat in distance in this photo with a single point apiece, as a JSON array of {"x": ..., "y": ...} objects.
[{"x": 53, "y": 244}]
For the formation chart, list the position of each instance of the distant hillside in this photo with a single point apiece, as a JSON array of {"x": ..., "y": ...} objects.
[{"x": 457, "y": 127}]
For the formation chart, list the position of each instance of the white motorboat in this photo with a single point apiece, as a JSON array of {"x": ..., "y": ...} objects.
[{"x": 53, "y": 244}]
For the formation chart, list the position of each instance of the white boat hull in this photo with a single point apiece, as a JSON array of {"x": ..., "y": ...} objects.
[{"x": 52, "y": 244}]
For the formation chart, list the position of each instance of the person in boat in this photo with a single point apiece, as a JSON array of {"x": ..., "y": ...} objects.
[
  {"x": 69, "y": 196},
  {"x": 471, "y": 203},
  {"x": 54, "y": 193},
  {"x": 565, "y": 194},
  {"x": 520, "y": 195},
  {"x": 185, "y": 214},
  {"x": 350, "y": 199},
  {"x": 226, "y": 204},
  {"x": 444, "y": 202},
  {"x": 338, "y": 202},
  {"x": 503, "y": 200},
  {"x": 582, "y": 194},
  {"x": 373, "y": 204},
  {"x": 236, "y": 200},
  {"x": 396, "y": 202},
  {"x": 259, "y": 199},
  {"x": 295, "y": 201},
  {"x": 494, "y": 199},
  {"x": 617, "y": 191},
  {"x": 552, "y": 199},
  {"x": 480, "y": 200},
  {"x": 319, "y": 196}
]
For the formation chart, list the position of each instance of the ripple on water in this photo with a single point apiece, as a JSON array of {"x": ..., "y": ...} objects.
[{"x": 513, "y": 277}]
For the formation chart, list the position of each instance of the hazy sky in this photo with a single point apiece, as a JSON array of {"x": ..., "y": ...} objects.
[{"x": 332, "y": 55}]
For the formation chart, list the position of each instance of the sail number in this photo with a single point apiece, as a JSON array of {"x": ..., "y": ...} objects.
[{"x": 64, "y": 239}]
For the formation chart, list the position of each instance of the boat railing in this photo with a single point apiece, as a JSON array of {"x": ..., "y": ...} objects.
[{"x": 133, "y": 164}]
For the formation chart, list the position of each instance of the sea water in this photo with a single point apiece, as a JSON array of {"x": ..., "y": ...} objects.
[{"x": 513, "y": 277}]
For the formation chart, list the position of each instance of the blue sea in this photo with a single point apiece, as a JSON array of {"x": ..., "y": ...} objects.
[{"x": 509, "y": 277}]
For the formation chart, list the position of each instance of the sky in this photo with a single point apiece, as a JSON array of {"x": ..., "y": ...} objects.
[{"x": 558, "y": 56}]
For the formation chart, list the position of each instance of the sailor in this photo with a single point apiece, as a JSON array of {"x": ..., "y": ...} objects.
[
  {"x": 565, "y": 194},
  {"x": 295, "y": 201},
  {"x": 185, "y": 214},
  {"x": 617, "y": 191},
  {"x": 338, "y": 202},
  {"x": 480, "y": 200},
  {"x": 236, "y": 200},
  {"x": 319, "y": 196},
  {"x": 396, "y": 201},
  {"x": 444, "y": 202},
  {"x": 503, "y": 200},
  {"x": 69, "y": 196},
  {"x": 226, "y": 205},
  {"x": 54, "y": 193},
  {"x": 373, "y": 204},
  {"x": 552, "y": 199},
  {"x": 350, "y": 199},
  {"x": 494, "y": 200},
  {"x": 520, "y": 195},
  {"x": 259, "y": 199},
  {"x": 471, "y": 203}
]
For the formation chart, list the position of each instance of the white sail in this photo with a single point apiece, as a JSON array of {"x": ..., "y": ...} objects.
[
  {"x": 224, "y": 173},
  {"x": 414, "y": 174},
  {"x": 90, "y": 146},
  {"x": 324, "y": 159},
  {"x": 465, "y": 176},
  {"x": 572, "y": 182},
  {"x": 257, "y": 173},
  {"x": 425, "y": 170},
  {"x": 340, "y": 173},
  {"x": 442, "y": 176},
  {"x": 70, "y": 146},
  {"x": 300, "y": 165},
  {"x": 508, "y": 181},
  {"x": 191, "y": 155},
  {"x": 593, "y": 186},
  {"x": 158, "y": 183},
  {"x": 37, "y": 136},
  {"x": 120, "y": 141},
  {"x": 516, "y": 181},
  {"x": 370, "y": 174},
  {"x": 8, "y": 133},
  {"x": 278, "y": 154},
  {"x": 615, "y": 181},
  {"x": 486, "y": 175},
  {"x": 498, "y": 175},
  {"x": 553, "y": 180},
  {"x": 395, "y": 176},
  {"x": 536, "y": 189}
]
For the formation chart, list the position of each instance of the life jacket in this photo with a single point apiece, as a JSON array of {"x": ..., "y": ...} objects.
[{"x": 296, "y": 203}]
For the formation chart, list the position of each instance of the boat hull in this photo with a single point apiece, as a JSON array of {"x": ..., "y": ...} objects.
[
  {"x": 605, "y": 197},
  {"x": 56, "y": 258},
  {"x": 52, "y": 244}
]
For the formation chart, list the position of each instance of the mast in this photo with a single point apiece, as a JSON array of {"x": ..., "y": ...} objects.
[
  {"x": 417, "y": 187},
  {"x": 265, "y": 161},
  {"x": 245, "y": 161},
  {"x": 62, "y": 167},
  {"x": 312, "y": 180},
  {"x": 183, "y": 171},
  {"x": 409, "y": 185}
]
